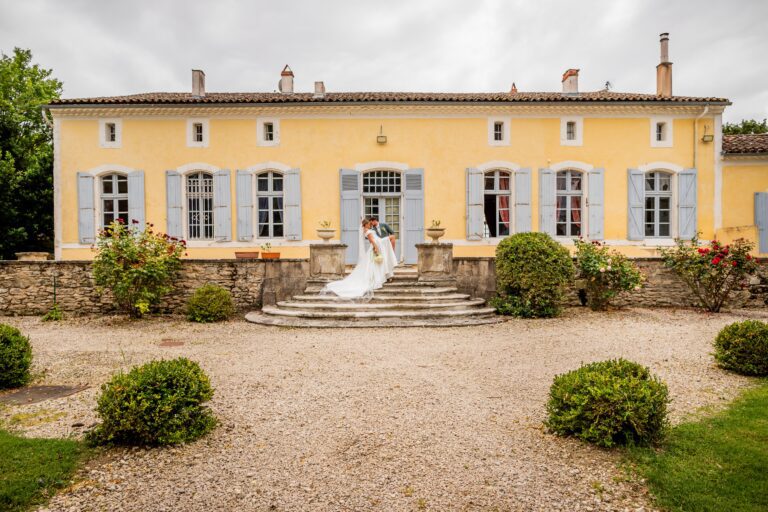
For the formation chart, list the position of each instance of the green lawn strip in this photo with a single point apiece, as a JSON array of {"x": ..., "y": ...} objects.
[
  {"x": 32, "y": 469},
  {"x": 714, "y": 464}
]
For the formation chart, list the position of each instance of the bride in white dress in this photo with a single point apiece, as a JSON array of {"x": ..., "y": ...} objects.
[{"x": 375, "y": 264}]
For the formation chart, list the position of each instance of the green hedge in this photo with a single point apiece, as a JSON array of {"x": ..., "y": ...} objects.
[
  {"x": 532, "y": 271},
  {"x": 15, "y": 357},
  {"x": 609, "y": 403},
  {"x": 155, "y": 404},
  {"x": 210, "y": 303},
  {"x": 743, "y": 347}
]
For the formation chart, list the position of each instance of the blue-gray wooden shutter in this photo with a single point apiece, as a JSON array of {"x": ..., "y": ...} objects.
[
  {"x": 414, "y": 213},
  {"x": 136, "y": 199},
  {"x": 523, "y": 200},
  {"x": 222, "y": 206},
  {"x": 86, "y": 209},
  {"x": 475, "y": 213},
  {"x": 686, "y": 204},
  {"x": 292, "y": 204},
  {"x": 244, "y": 196},
  {"x": 174, "y": 206},
  {"x": 761, "y": 220},
  {"x": 595, "y": 203},
  {"x": 349, "y": 185},
  {"x": 635, "y": 204},
  {"x": 547, "y": 201}
]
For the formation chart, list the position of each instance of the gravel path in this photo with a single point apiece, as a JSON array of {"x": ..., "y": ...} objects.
[{"x": 379, "y": 419}]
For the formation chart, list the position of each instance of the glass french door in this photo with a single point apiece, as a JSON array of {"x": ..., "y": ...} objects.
[{"x": 387, "y": 210}]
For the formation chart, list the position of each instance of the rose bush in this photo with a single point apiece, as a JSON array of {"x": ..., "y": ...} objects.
[
  {"x": 712, "y": 271},
  {"x": 605, "y": 273}
]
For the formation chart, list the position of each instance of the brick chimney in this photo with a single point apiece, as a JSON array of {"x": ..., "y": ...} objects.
[
  {"x": 286, "y": 80},
  {"x": 319, "y": 90},
  {"x": 198, "y": 82},
  {"x": 664, "y": 70},
  {"x": 571, "y": 81}
]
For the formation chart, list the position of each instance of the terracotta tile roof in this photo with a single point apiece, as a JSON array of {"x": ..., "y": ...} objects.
[
  {"x": 155, "y": 98},
  {"x": 745, "y": 144}
]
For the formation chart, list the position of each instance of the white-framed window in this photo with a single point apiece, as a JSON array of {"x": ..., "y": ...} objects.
[
  {"x": 267, "y": 131},
  {"x": 499, "y": 131},
  {"x": 113, "y": 198},
  {"x": 569, "y": 203},
  {"x": 661, "y": 132},
  {"x": 270, "y": 219},
  {"x": 198, "y": 133},
  {"x": 497, "y": 201},
  {"x": 658, "y": 204},
  {"x": 199, "y": 205},
  {"x": 571, "y": 131},
  {"x": 110, "y": 133}
]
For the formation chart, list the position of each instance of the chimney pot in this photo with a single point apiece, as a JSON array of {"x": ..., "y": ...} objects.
[
  {"x": 286, "y": 80},
  {"x": 664, "y": 69},
  {"x": 513, "y": 89},
  {"x": 319, "y": 90},
  {"x": 198, "y": 82},
  {"x": 571, "y": 81}
]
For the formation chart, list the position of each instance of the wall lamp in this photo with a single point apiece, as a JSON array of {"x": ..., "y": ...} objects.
[
  {"x": 707, "y": 137},
  {"x": 381, "y": 138}
]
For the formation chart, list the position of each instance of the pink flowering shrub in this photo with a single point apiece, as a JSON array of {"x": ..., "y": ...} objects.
[
  {"x": 712, "y": 271},
  {"x": 138, "y": 266},
  {"x": 605, "y": 273}
]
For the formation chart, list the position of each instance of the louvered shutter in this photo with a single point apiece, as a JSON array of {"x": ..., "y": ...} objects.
[
  {"x": 86, "y": 211},
  {"x": 686, "y": 204},
  {"x": 136, "y": 199},
  {"x": 523, "y": 200},
  {"x": 174, "y": 207},
  {"x": 292, "y": 204},
  {"x": 475, "y": 212},
  {"x": 596, "y": 201},
  {"x": 244, "y": 196},
  {"x": 547, "y": 201},
  {"x": 414, "y": 213},
  {"x": 761, "y": 220},
  {"x": 635, "y": 204},
  {"x": 222, "y": 209},
  {"x": 349, "y": 185}
]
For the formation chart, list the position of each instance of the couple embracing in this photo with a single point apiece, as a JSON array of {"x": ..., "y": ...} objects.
[{"x": 375, "y": 263}]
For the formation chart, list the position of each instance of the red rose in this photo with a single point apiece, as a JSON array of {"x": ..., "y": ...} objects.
[
  {"x": 716, "y": 261},
  {"x": 734, "y": 263}
]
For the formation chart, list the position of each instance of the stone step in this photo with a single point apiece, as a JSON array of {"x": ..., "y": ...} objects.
[
  {"x": 385, "y": 306},
  {"x": 400, "y": 290},
  {"x": 384, "y": 323},
  {"x": 448, "y": 297},
  {"x": 396, "y": 313}
]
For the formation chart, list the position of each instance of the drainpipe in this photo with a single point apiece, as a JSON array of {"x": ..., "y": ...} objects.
[{"x": 696, "y": 133}]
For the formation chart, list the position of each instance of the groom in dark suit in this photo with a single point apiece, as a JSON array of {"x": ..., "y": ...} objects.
[{"x": 383, "y": 230}]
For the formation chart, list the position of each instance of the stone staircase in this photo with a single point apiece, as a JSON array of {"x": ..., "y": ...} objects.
[{"x": 402, "y": 302}]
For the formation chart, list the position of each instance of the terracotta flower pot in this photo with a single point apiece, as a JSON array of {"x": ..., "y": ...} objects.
[
  {"x": 246, "y": 255},
  {"x": 270, "y": 255}
]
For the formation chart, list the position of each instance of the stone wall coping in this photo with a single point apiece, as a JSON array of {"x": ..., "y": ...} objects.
[{"x": 185, "y": 260}]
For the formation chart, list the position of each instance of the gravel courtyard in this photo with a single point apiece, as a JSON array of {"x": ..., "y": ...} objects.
[{"x": 371, "y": 419}]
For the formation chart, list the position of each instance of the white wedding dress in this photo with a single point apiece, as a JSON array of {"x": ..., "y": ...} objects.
[{"x": 367, "y": 275}]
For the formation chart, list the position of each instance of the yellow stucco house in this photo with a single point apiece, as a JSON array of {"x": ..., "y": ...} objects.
[{"x": 231, "y": 171}]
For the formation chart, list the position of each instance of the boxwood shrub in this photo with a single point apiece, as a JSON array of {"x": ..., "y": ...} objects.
[
  {"x": 532, "y": 271},
  {"x": 15, "y": 357},
  {"x": 158, "y": 403},
  {"x": 743, "y": 347},
  {"x": 210, "y": 303},
  {"x": 609, "y": 403}
]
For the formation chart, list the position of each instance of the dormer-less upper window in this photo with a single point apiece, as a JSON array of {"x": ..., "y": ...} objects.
[
  {"x": 198, "y": 132},
  {"x": 269, "y": 132},
  {"x": 570, "y": 130},
  {"x": 661, "y": 132},
  {"x": 109, "y": 133},
  {"x": 498, "y": 131}
]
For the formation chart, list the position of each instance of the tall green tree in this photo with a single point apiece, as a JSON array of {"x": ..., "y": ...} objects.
[
  {"x": 26, "y": 155},
  {"x": 746, "y": 126}
]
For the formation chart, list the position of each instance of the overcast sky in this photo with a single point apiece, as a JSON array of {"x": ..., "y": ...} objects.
[{"x": 106, "y": 47}]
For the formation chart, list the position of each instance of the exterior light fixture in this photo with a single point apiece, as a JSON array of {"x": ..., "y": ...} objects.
[
  {"x": 707, "y": 137},
  {"x": 381, "y": 138}
]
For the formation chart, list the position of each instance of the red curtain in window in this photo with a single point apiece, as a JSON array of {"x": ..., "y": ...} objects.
[{"x": 504, "y": 210}]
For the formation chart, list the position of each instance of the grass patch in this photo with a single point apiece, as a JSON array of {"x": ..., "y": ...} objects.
[
  {"x": 713, "y": 464},
  {"x": 31, "y": 470}
]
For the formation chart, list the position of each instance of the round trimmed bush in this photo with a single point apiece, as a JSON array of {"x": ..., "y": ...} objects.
[
  {"x": 158, "y": 403},
  {"x": 532, "y": 271},
  {"x": 609, "y": 403},
  {"x": 743, "y": 347},
  {"x": 15, "y": 357},
  {"x": 210, "y": 303}
]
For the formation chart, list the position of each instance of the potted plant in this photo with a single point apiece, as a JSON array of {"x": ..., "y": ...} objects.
[
  {"x": 246, "y": 255},
  {"x": 435, "y": 231},
  {"x": 325, "y": 231},
  {"x": 267, "y": 254}
]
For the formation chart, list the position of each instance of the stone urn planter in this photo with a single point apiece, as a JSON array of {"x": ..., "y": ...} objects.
[
  {"x": 326, "y": 234},
  {"x": 246, "y": 255},
  {"x": 435, "y": 234}
]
